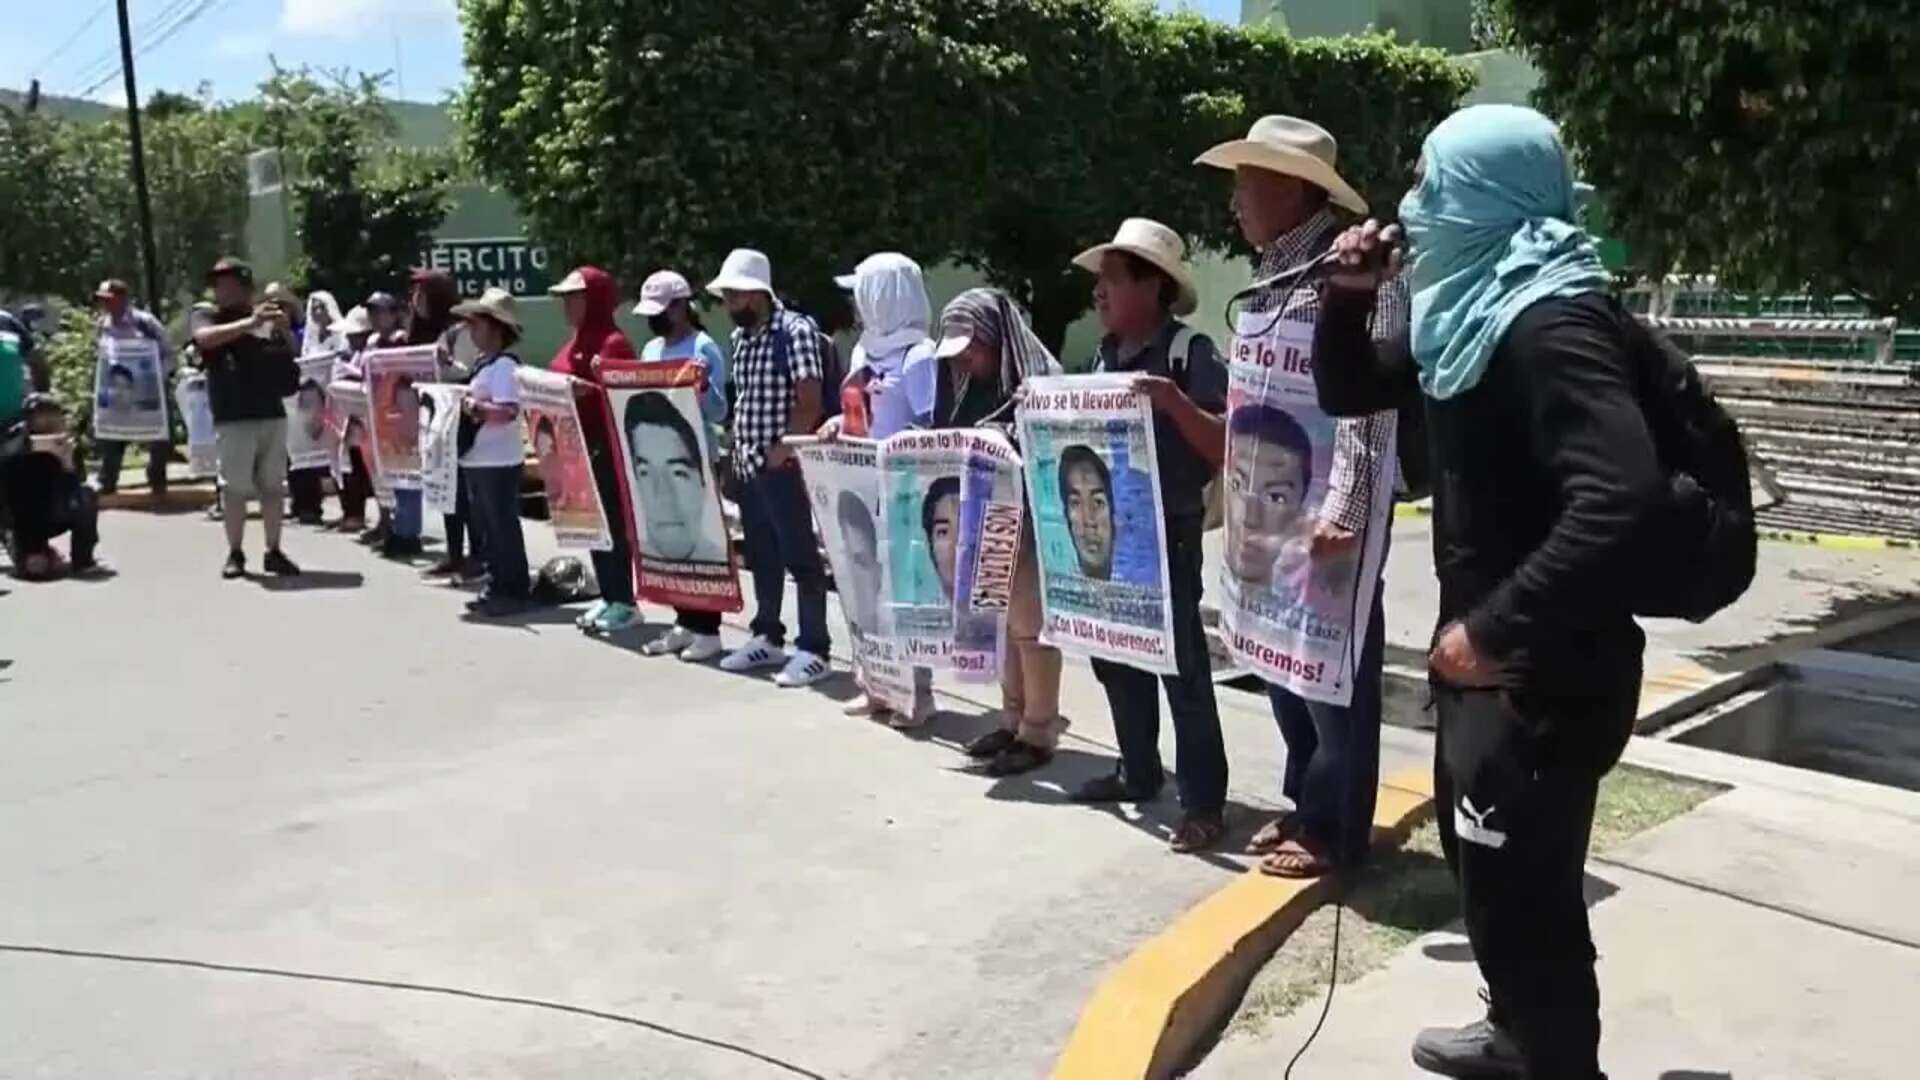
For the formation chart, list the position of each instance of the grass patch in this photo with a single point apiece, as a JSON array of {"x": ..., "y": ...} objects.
[{"x": 1408, "y": 892}]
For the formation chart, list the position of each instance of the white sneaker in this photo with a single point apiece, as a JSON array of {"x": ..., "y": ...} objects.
[
  {"x": 754, "y": 655},
  {"x": 803, "y": 669},
  {"x": 670, "y": 642},
  {"x": 704, "y": 648}
]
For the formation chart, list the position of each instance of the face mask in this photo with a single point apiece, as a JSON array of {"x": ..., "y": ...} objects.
[{"x": 660, "y": 324}]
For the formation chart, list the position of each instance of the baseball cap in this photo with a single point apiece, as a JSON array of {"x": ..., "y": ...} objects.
[
  {"x": 572, "y": 283},
  {"x": 111, "y": 287},
  {"x": 382, "y": 300},
  {"x": 230, "y": 265},
  {"x": 660, "y": 290}
]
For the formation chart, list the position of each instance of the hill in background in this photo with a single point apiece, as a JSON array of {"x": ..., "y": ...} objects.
[{"x": 422, "y": 125}]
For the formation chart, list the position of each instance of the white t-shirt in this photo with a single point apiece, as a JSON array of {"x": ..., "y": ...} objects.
[
  {"x": 900, "y": 390},
  {"x": 497, "y": 444}
]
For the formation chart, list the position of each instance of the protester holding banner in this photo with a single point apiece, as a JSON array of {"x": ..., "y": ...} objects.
[
  {"x": 666, "y": 302},
  {"x": 894, "y": 374},
  {"x": 44, "y": 496},
  {"x": 987, "y": 352},
  {"x": 248, "y": 353},
  {"x": 308, "y": 451},
  {"x": 779, "y": 369},
  {"x": 1546, "y": 475},
  {"x": 588, "y": 297},
  {"x": 430, "y": 321},
  {"x": 491, "y": 467},
  {"x": 1143, "y": 285},
  {"x": 120, "y": 320},
  {"x": 1309, "y": 508}
]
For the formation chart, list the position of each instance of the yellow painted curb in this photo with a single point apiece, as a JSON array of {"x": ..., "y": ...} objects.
[
  {"x": 1838, "y": 541},
  {"x": 1153, "y": 1011}
]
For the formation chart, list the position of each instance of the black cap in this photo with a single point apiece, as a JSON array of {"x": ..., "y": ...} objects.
[{"x": 230, "y": 265}]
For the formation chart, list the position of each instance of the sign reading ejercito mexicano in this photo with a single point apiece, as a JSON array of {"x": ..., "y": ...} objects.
[{"x": 507, "y": 262}]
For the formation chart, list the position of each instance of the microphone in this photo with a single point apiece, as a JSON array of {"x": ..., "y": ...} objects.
[{"x": 1316, "y": 270}]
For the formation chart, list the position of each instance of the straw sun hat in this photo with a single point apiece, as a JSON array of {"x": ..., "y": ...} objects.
[{"x": 1290, "y": 147}]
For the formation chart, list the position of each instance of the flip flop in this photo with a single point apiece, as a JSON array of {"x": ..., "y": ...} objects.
[
  {"x": 1274, "y": 833},
  {"x": 1300, "y": 859}
]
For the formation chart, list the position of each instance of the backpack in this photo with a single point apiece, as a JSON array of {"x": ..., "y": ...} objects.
[
  {"x": 1696, "y": 552},
  {"x": 1213, "y": 497},
  {"x": 833, "y": 371}
]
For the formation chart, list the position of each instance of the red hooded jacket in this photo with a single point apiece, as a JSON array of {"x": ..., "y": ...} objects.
[{"x": 597, "y": 334}]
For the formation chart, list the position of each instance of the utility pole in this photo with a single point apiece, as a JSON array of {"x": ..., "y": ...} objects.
[{"x": 147, "y": 253}]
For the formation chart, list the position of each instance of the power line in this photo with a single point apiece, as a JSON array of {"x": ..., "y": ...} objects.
[
  {"x": 67, "y": 43},
  {"x": 109, "y": 59},
  {"x": 105, "y": 67},
  {"x": 187, "y": 17}
]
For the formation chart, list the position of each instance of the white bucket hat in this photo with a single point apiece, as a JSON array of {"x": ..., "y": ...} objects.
[
  {"x": 745, "y": 270},
  {"x": 496, "y": 304},
  {"x": 1159, "y": 245},
  {"x": 355, "y": 322},
  {"x": 1291, "y": 147},
  {"x": 660, "y": 290}
]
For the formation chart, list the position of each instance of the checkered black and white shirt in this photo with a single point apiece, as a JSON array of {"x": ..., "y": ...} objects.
[
  {"x": 764, "y": 408},
  {"x": 1360, "y": 458}
]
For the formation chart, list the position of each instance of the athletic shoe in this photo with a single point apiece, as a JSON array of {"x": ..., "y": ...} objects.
[
  {"x": 277, "y": 562},
  {"x": 236, "y": 566},
  {"x": 584, "y": 620},
  {"x": 803, "y": 669},
  {"x": 1478, "y": 1051},
  {"x": 754, "y": 655},
  {"x": 865, "y": 705},
  {"x": 614, "y": 618},
  {"x": 669, "y": 643},
  {"x": 704, "y": 648}
]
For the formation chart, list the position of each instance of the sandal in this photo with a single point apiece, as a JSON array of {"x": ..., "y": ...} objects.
[
  {"x": 990, "y": 745},
  {"x": 1274, "y": 833},
  {"x": 1301, "y": 858},
  {"x": 1021, "y": 757},
  {"x": 1197, "y": 833}
]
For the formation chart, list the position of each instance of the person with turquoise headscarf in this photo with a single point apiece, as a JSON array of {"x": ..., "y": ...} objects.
[{"x": 1543, "y": 468}]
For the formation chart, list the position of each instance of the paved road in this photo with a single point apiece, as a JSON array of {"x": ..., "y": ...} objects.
[{"x": 342, "y": 782}]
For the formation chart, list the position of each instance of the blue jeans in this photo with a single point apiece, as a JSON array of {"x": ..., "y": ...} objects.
[
  {"x": 1201, "y": 758},
  {"x": 1333, "y": 752},
  {"x": 779, "y": 539},
  {"x": 494, "y": 501},
  {"x": 407, "y": 515}
]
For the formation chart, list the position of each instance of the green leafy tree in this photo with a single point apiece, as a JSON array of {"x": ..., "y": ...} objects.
[
  {"x": 1006, "y": 134},
  {"x": 363, "y": 209},
  {"x": 1773, "y": 144}
]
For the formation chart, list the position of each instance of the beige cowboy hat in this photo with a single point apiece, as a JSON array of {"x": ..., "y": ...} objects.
[
  {"x": 1159, "y": 245},
  {"x": 496, "y": 304},
  {"x": 1291, "y": 147}
]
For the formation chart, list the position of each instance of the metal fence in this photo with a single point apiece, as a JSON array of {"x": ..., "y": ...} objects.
[{"x": 1830, "y": 409}]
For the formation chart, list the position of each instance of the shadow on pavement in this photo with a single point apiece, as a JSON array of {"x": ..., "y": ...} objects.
[
  {"x": 311, "y": 581},
  {"x": 1694, "y": 1074}
]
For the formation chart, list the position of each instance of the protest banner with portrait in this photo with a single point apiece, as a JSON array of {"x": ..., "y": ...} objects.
[
  {"x": 682, "y": 554},
  {"x": 310, "y": 443},
  {"x": 921, "y": 473},
  {"x": 843, "y": 487},
  {"x": 440, "y": 446},
  {"x": 129, "y": 391},
  {"x": 352, "y": 418},
  {"x": 196, "y": 413},
  {"x": 394, "y": 378},
  {"x": 1094, "y": 489},
  {"x": 1295, "y": 620},
  {"x": 992, "y": 511},
  {"x": 560, "y": 453}
]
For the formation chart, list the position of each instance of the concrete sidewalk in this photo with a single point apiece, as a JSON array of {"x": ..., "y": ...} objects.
[
  {"x": 338, "y": 782},
  {"x": 1771, "y": 933}
]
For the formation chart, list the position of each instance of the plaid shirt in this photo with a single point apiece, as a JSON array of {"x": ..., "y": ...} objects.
[
  {"x": 1360, "y": 446},
  {"x": 764, "y": 410}
]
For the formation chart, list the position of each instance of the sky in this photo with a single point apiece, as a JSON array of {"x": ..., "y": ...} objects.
[{"x": 73, "y": 46}]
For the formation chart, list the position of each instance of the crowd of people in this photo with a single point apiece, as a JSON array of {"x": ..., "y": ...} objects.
[{"x": 1498, "y": 330}]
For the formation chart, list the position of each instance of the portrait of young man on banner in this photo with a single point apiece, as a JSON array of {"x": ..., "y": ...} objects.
[
  {"x": 683, "y": 555},
  {"x": 560, "y": 450},
  {"x": 394, "y": 377},
  {"x": 129, "y": 405}
]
